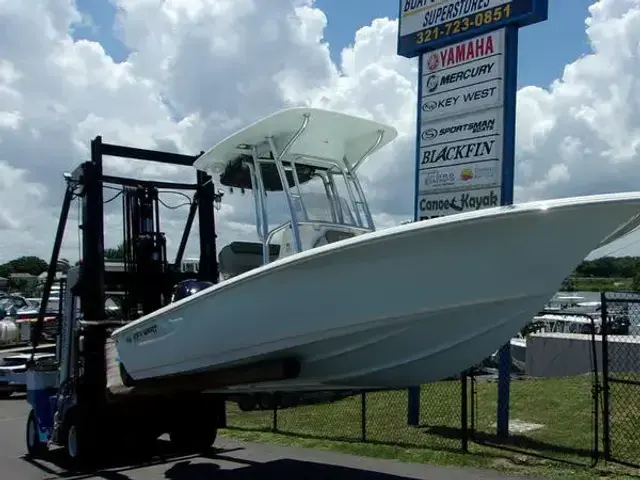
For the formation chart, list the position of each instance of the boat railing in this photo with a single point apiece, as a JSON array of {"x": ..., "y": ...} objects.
[{"x": 278, "y": 156}]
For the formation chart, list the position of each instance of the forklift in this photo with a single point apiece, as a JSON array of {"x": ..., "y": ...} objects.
[{"x": 73, "y": 402}]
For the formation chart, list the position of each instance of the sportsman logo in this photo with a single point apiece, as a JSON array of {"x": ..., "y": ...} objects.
[{"x": 429, "y": 134}]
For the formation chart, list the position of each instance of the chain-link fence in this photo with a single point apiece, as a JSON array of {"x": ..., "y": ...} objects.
[
  {"x": 621, "y": 376},
  {"x": 578, "y": 397},
  {"x": 381, "y": 417},
  {"x": 548, "y": 417}
]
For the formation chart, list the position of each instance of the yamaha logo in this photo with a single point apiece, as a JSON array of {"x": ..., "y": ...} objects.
[
  {"x": 432, "y": 83},
  {"x": 433, "y": 62},
  {"x": 429, "y": 134}
]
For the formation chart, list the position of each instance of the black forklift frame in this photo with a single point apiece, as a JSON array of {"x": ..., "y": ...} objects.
[{"x": 87, "y": 181}]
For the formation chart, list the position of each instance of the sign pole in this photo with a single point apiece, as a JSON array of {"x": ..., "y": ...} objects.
[
  {"x": 510, "y": 94},
  {"x": 465, "y": 133}
]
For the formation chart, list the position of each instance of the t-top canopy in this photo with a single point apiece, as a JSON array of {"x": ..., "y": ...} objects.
[{"x": 316, "y": 139}]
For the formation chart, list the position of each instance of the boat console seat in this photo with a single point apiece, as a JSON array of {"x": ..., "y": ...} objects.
[
  {"x": 240, "y": 257},
  {"x": 332, "y": 236}
]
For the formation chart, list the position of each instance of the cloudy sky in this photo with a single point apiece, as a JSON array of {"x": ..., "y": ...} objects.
[{"x": 181, "y": 74}]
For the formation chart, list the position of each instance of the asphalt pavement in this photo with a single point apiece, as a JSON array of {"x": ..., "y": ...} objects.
[{"x": 230, "y": 460}]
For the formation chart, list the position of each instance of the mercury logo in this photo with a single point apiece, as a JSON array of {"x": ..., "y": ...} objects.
[{"x": 432, "y": 83}]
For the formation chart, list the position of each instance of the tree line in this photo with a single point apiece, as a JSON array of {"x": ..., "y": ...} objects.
[
  {"x": 35, "y": 266},
  {"x": 604, "y": 268}
]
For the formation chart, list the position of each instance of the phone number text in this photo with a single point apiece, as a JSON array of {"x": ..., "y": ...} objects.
[{"x": 476, "y": 20}]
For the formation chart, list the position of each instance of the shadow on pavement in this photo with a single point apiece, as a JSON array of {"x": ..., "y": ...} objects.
[
  {"x": 285, "y": 468},
  {"x": 201, "y": 467}
]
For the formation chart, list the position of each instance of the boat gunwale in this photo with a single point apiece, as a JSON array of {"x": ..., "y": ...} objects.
[{"x": 403, "y": 231}]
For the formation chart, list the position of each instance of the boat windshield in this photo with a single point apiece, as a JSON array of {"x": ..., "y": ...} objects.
[
  {"x": 321, "y": 218},
  {"x": 317, "y": 207}
]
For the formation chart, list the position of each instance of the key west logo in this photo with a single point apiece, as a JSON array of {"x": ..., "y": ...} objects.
[{"x": 453, "y": 100}]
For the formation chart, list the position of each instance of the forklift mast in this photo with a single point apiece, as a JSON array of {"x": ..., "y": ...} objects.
[{"x": 147, "y": 278}]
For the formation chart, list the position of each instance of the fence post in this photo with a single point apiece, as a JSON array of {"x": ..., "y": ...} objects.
[
  {"x": 413, "y": 406},
  {"x": 276, "y": 399},
  {"x": 464, "y": 411},
  {"x": 595, "y": 394},
  {"x": 504, "y": 387},
  {"x": 606, "y": 439},
  {"x": 473, "y": 406},
  {"x": 363, "y": 416}
]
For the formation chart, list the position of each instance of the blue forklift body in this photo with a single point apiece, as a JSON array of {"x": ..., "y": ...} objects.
[{"x": 42, "y": 395}]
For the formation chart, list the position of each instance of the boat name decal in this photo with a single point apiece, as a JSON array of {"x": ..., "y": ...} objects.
[
  {"x": 467, "y": 201},
  {"x": 153, "y": 329},
  {"x": 458, "y": 152}
]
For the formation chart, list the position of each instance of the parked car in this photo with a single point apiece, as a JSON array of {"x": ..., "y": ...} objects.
[{"x": 13, "y": 370}]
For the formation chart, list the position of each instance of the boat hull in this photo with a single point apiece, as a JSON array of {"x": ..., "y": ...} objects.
[{"x": 404, "y": 306}]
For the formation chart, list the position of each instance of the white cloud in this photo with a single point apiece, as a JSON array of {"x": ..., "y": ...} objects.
[{"x": 203, "y": 68}]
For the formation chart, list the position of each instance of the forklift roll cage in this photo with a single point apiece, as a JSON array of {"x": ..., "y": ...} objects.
[{"x": 147, "y": 267}]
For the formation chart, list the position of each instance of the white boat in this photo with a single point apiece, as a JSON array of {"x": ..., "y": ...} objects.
[
  {"x": 358, "y": 307},
  {"x": 579, "y": 323}
]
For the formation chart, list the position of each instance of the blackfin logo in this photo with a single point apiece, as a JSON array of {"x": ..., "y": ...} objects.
[{"x": 466, "y": 174}]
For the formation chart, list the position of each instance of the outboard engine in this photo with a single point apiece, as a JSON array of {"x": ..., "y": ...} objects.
[{"x": 187, "y": 288}]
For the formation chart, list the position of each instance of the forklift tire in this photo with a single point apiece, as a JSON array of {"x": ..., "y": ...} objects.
[
  {"x": 186, "y": 439},
  {"x": 247, "y": 403},
  {"x": 35, "y": 448},
  {"x": 268, "y": 401},
  {"x": 77, "y": 448}
]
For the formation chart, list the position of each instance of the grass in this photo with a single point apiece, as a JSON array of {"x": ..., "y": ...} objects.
[
  {"x": 581, "y": 284},
  {"x": 560, "y": 448}
]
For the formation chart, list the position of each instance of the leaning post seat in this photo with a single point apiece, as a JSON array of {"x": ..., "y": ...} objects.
[{"x": 240, "y": 257}]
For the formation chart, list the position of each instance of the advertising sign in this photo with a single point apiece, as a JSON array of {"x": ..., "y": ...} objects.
[
  {"x": 463, "y": 151},
  {"x": 477, "y": 175},
  {"x": 461, "y": 124},
  {"x": 479, "y": 48},
  {"x": 466, "y": 109},
  {"x": 429, "y": 24},
  {"x": 475, "y": 73},
  {"x": 434, "y": 206},
  {"x": 466, "y": 99},
  {"x": 473, "y": 125}
]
